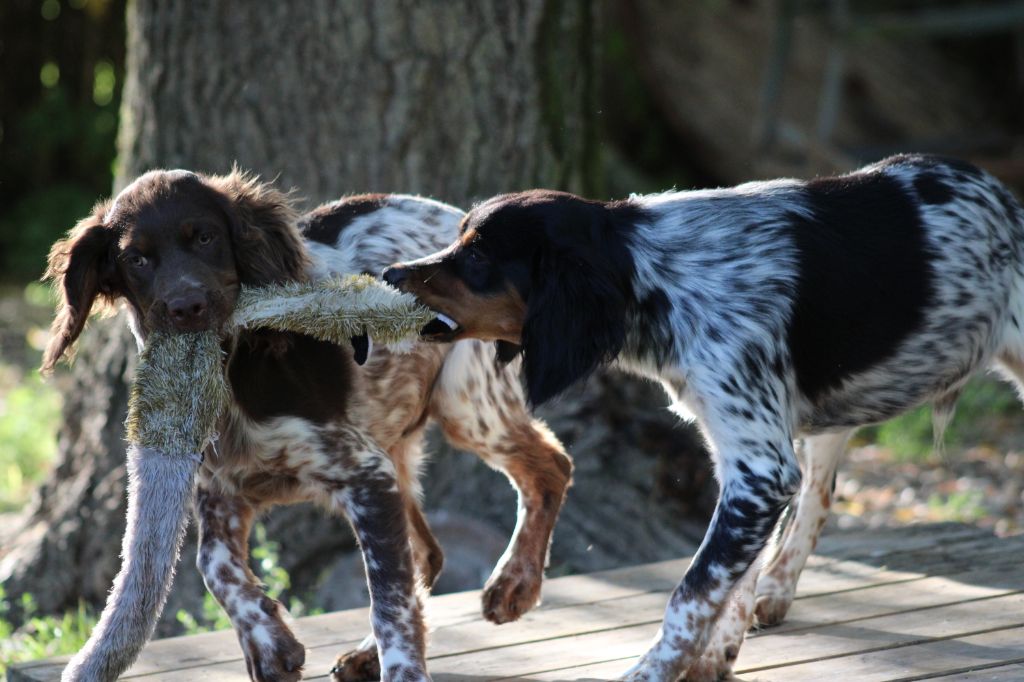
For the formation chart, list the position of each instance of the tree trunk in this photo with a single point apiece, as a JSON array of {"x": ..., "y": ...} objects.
[{"x": 454, "y": 100}]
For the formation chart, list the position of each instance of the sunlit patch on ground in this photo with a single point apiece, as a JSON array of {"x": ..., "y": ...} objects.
[{"x": 981, "y": 485}]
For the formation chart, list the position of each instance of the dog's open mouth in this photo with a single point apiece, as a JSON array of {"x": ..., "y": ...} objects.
[{"x": 441, "y": 329}]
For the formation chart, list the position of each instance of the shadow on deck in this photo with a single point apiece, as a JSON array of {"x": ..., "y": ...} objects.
[{"x": 939, "y": 601}]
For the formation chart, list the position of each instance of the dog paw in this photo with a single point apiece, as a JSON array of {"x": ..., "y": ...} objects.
[
  {"x": 510, "y": 594},
  {"x": 279, "y": 660},
  {"x": 774, "y": 596},
  {"x": 641, "y": 672},
  {"x": 772, "y": 608},
  {"x": 361, "y": 665},
  {"x": 715, "y": 664}
]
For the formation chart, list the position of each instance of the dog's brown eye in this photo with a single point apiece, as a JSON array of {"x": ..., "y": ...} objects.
[
  {"x": 204, "y": 238},
  {"x": 138, "y": 261}
]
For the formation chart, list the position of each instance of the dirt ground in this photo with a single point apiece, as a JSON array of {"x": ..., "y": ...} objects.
[{"x": 982, "y": 485}]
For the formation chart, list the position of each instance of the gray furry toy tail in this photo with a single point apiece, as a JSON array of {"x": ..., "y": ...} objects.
[{"x": 160, "y": 493}]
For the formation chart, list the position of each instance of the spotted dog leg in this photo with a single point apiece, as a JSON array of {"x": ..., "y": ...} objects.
[
  {"x": 271, "y": 651},
  {"x": 730, "y": 630},
  {"x": 773, "y": 586},
  {"x": 777, "y": 584},
  {"x": 375, "y": 507},
  {"x": 480, "y": 407},
  {"x": 363, "y": 663},
  {"x": 758, "y": 473},
  {"x": 426, "y": 550}
]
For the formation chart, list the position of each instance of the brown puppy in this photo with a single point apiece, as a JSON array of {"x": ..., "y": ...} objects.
[{"x": 305, "y": 423}]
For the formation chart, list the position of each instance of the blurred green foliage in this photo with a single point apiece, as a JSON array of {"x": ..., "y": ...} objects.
[
  {"x": 983, "y": 403},
  {"x": 59, "y": 99},
  {"x": 276, "y": 582},
  {"x": 30, "y": 408},
  {"x": 41, "y": 636},
  {"x": 29, "y": 417}
]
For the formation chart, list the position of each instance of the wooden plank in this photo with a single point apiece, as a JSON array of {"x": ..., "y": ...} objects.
[
  {"x": 902, "y": 629},
  {"x": 459, "y": 627},
  {"x": 888, "y": 604},
  {"x": 967, "y": 659},
  {"x": 481, "y": 638},
  {"x": 884, "y": 541},
  {"x": 924, "y": 661},
  {"x": 532, "y": 660},
  {"x": 592, "y": 608},
  {"x": 625, "y": 593},
  {"x": 998, "y": 673},
  {"x": 44, "y": 671},
  {"x": 337, "y": 632},
  {"x": 886, "y": 599},
  {"x": 946, "y": 553}
]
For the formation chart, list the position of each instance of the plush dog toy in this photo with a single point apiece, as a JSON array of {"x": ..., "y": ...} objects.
[{"x": 176, "y": 400}]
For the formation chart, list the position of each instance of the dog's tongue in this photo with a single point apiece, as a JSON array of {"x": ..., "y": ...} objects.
[{"x": 440, "y": 325}]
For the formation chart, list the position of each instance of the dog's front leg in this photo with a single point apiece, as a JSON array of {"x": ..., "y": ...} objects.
[
  {"x": 730, "y": 630},
  {"x": 271, "y": 650},
  {"x": 766, "y": 592},
  {"x": 758, "y": 473},
  {"x": 371, "y": 499}
]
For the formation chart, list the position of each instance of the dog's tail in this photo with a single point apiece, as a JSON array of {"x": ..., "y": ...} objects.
[{"x": 943, "y": 410}]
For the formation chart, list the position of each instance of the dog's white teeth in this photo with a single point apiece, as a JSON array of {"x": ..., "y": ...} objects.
[{"x": 449, "y": 322}]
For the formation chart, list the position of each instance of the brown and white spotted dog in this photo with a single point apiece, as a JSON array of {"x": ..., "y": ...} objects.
[{"x": 305, "y": 423}]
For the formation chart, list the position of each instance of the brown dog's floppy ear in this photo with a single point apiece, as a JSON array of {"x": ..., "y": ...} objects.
[
  {"x": 267, "y": 244},
  {"x": 81, "y": 267}
]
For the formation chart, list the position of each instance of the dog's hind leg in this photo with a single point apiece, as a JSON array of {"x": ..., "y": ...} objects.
[
  {"x": 1011, "y": 366},
  {"x": 363, "y": 662},
  {"x": 820, "y": 456},
  {"x": 365, "y": 487},
  {"x": 426, "y": 551},
  {"x": 480, "y": 407},
  {"x": 271, "y": 650}
]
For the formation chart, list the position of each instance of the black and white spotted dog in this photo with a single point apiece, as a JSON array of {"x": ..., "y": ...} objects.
[{"x": 771, "y": 311}]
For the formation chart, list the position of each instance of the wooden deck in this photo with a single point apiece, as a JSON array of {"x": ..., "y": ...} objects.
[{"x": 927, "y": 602}]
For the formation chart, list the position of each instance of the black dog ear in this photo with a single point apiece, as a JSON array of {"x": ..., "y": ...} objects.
[
  {"x": 82, "y": 269},
  {"x": 264, "y": 233},
  {"x": 575, "y": 321}
]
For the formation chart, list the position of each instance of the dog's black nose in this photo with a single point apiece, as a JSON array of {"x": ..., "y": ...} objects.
[
  {"x": 188, "y": 310},
  {"x": 395, "y": 275}
]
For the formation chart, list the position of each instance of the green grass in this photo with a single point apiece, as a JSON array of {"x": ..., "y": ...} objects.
[
  {"x": 30, "y": 408},
  {"x": 46, "y": 636},
  {"x": 29, "y": 418},
  {"x": 963, "y": 507},
  {"x": 41, "y": 636},
  {"x": 983, "y": 402},
  {"x": 276, "y": 582}
]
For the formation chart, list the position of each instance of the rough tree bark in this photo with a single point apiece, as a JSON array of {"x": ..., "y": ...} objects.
[{"x": 455, "y": 100}]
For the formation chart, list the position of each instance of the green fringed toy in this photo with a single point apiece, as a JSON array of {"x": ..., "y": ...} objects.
[
  {"x": 175, "y": 403},
  {"x": 178, "y": 393},
  {"x": 180, "y": 390}
]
